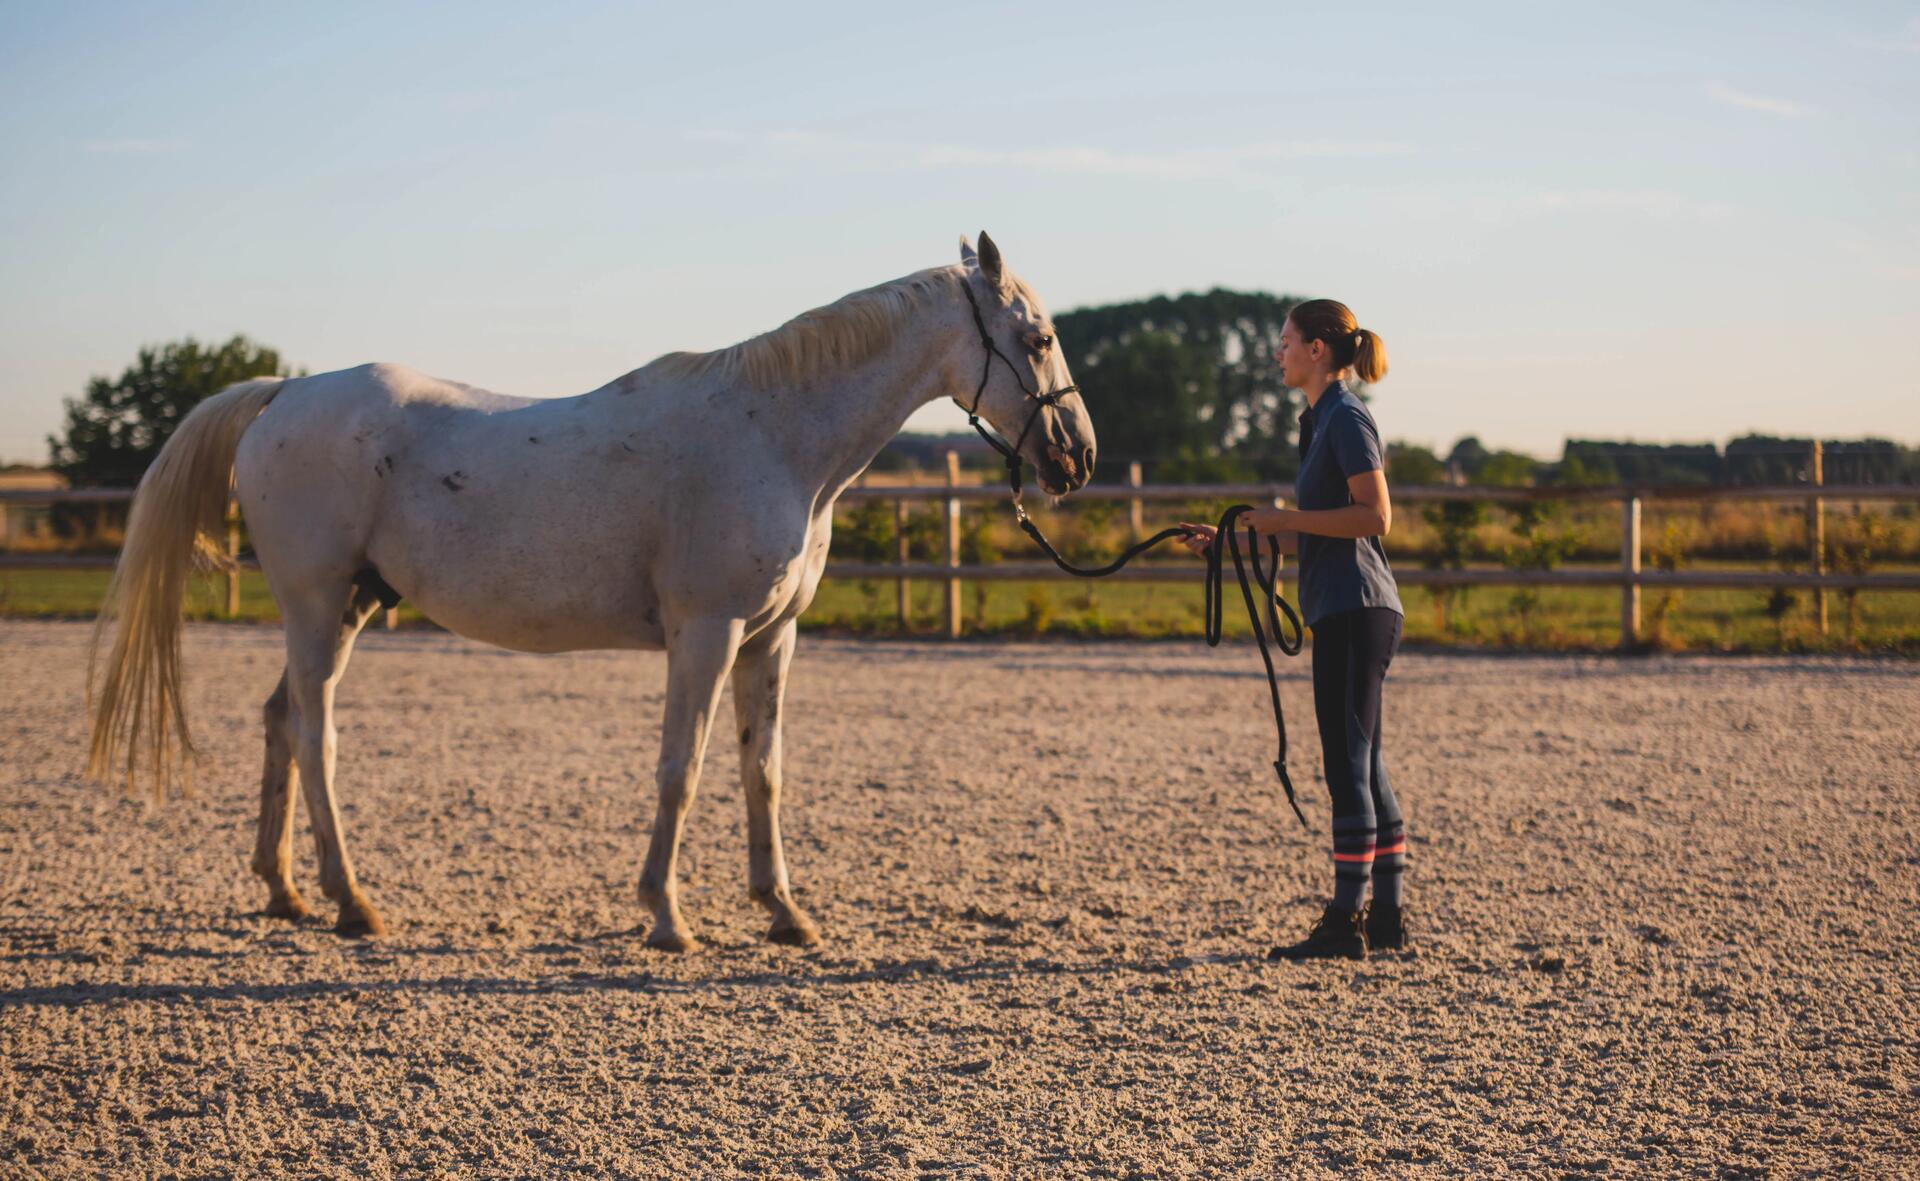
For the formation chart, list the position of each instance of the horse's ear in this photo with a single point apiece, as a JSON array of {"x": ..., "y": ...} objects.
[
  {"x": 967, "y": 256},
  {"x": 990, "y": 260}
]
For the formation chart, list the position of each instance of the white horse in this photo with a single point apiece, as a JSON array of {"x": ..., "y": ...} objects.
[{"x": 685, "y": 506}]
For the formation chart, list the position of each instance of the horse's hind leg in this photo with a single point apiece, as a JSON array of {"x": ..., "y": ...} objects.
[
  {"x": 319, "y": 641},
  {"x": 699, "y": 653},
  {"x": 273, "y": 851},
  {"x": 759, "y": 686}
]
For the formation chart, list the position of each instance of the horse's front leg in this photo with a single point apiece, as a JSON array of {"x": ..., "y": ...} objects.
[
  {"x": 759, "y": 686},
  {"x": 699, "y": 653}
]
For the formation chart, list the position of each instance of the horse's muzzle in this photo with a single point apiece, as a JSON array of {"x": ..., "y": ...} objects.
[{"x": 1064, "y": 472}]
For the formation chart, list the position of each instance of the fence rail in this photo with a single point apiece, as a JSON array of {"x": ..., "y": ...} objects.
[{"x": 1628, "y": 576}]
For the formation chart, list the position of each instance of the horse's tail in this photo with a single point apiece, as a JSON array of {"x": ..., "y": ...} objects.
[{"x": 177, "y": 512}]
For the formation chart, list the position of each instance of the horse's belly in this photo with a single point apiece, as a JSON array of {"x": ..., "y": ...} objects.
[
  {"x": 528, "y": 600},
  {"x": 535, "y": 628}
]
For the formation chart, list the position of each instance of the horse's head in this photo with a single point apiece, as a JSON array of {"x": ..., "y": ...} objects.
[{"x": 1056, "y": 438}]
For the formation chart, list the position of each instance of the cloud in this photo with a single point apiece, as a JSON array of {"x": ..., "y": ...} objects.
[
  {"x": 1727, "y": 96},
  {"x": 134, "y": 147},
  {"x": 1212, "y": 163},
  {"x": 1906, "y": 41}
]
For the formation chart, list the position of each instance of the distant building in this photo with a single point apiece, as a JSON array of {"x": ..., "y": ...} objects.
[{"x": 23, "y": 520}]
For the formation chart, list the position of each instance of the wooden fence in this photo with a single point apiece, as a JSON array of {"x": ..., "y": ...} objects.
[
  {"x": 1628, "y": 576},
  {"x": 952, "y": 495}
]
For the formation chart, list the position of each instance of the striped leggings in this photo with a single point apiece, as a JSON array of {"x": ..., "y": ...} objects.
[{"x": 1351, "y": 651}]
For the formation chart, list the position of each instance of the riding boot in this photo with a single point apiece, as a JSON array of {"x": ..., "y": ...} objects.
[
  {"x": 1338, "y": 935},
  {"x": 1386, "y": 927}
]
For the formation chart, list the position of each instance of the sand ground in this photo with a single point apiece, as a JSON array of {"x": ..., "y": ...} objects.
[{"x": 1666, "y": 923}]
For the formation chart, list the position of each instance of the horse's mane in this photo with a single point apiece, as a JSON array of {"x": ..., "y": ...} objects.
[{"x": 827, "y": 339}]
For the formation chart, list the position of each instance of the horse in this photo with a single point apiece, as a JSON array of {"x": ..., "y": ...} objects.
[{"x": 685, "y": 506}]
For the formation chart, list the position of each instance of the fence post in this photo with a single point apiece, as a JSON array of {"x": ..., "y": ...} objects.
[
  {"x": 953, "y": 547},
  {"x": 903, "y": 592},
  {"x": 1136, "y": 515},
  {"x": 1817, "y": 535},
  {"x": 1630, "y": 571},
  {"x": 233, "y": 560},
  {"x": 1280, "y": 560}
]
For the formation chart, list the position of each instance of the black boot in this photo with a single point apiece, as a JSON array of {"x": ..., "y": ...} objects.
[
  {"x": 1386, "y": 927},
  {"x": 1338, "y": 935}
]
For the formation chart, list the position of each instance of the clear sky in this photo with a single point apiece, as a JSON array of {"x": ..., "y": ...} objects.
[{"x": 1672, "y": 221}]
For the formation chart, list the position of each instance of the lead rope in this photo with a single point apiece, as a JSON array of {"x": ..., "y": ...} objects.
[
  {"x": 1225, "y": 539},
  {"x": 1268, "y": 634}
]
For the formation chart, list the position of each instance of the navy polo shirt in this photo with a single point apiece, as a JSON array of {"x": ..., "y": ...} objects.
[{"x": 1338, "y": 440}]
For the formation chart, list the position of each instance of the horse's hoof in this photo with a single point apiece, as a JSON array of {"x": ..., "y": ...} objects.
[
  {"x": 800, "y": 932},
  {"x": 666, "y": 939},
  {"x": 288, "y": 906},
  {"x": 359, "y": 920}
]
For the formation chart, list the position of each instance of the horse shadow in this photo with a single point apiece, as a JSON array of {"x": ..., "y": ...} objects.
[{"x": 816, "y": 974}]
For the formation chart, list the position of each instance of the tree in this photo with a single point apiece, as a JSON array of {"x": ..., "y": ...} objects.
[
  {"x": 119, "y": 426},
  {"x": 1466, "y": 456},
  {"x": 1583, "y": 469},
  {"x": 1169, "y": 393},
  {"x": 1189, "y": 379},
  {"x": 1593, "y": 461},
  {"x": 1410, "y": 463},
  {"x": 1503, "y": 469}
]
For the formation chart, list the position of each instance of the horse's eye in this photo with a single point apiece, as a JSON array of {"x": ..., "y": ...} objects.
[{"x": 1042, "y": 342}]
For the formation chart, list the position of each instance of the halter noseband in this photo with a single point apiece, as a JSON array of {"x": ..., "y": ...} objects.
[{"x": 1041, "y": 401}]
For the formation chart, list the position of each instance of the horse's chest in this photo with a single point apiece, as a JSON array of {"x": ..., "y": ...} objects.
[{"x": 801, "y": 574}]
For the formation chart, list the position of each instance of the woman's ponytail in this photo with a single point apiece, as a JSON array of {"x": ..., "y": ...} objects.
[{"x": 1369, "y": 355}]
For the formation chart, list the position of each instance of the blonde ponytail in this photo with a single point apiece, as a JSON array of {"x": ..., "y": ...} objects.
[{"x": 1369, "y": 355}]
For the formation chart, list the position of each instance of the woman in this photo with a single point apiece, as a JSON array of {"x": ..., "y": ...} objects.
[{"x": 1348, "y": 598}]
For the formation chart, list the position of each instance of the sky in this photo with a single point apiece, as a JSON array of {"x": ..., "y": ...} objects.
[{"x": 1663, "y": 222}]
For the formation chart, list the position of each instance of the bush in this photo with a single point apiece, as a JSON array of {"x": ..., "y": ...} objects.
[
  {"x": 1039, "y": 614},
  {"x": 1454, "y": 523},
  {"x": 1854, "y": 545},
  {"x": 1667, "y": 552}
]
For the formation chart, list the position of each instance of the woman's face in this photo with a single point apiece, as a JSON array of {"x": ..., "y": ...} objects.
[{"x": 1299, "y": 358}]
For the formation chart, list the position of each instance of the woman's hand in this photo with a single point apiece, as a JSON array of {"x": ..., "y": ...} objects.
[
  {"x": 1198, "y": 538},
  {"x": 1271, "y": 521}
]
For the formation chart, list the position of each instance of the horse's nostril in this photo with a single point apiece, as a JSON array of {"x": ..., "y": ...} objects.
[{"x": 1086, "y": 463}]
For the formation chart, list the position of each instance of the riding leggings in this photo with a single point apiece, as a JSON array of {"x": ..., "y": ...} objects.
[{"x": 1351, "y": 651}]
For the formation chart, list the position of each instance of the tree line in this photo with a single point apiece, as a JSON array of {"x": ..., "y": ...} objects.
[
  {"x": 1746, "y": 461},
  {"x": 1186, "y": 385}
]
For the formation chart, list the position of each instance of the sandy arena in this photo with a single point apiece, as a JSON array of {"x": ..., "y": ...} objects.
[{"x": 1666, "y": 917}]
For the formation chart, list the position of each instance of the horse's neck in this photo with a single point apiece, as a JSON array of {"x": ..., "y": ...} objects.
[{"x": 833, "y": 425}]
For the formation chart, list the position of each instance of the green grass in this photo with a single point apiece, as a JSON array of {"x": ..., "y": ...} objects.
[
  {"x": 1501, "y": 617},
  {"x": 76, "y": 594},
  {"x": 1554, "y": 618}
]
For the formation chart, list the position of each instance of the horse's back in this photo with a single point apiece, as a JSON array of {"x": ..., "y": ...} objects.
[
  {"x": 495, "y": 514},
  {"x": 385, "y": 389},
  {"x": 324, "y": 457}
]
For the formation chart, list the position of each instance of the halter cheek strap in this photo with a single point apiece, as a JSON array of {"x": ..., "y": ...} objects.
[{"x": 1041, "y": 400}]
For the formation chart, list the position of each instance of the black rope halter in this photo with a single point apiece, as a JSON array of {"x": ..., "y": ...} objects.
[
  {"x": 1226, "y": 539},
  {"x": 1040, "y": 400}
]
